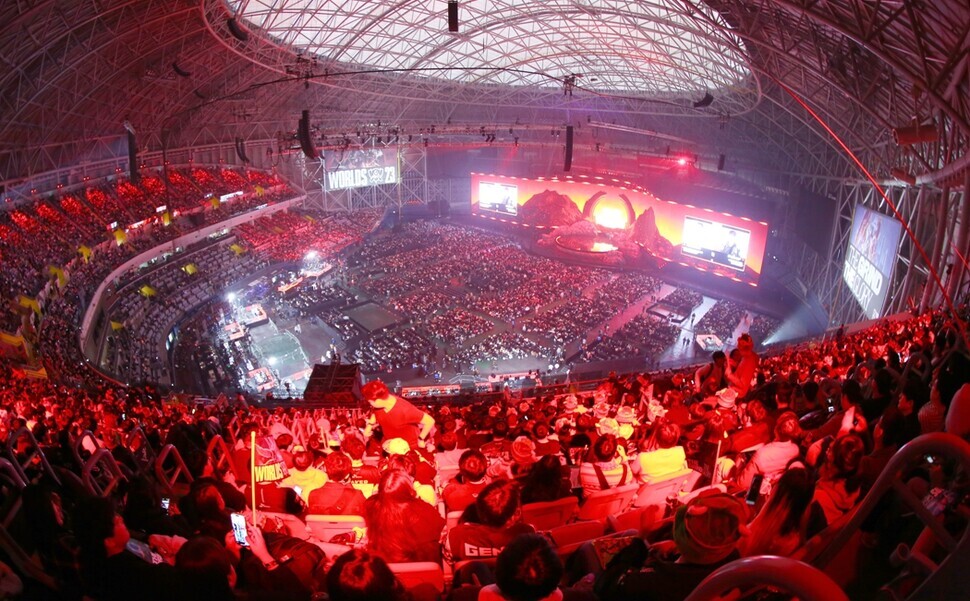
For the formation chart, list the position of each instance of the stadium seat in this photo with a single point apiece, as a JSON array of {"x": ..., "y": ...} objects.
[
  {"x": 446, "y": 475},
  {"x": 325, "y": 527},
  {"x": 568, "y": 538},
  {"x": 550, "y": 514},
  {"x": 655, "y": 493},
  {"x": 101, "y": 473},
  {"x": 451, "y": 519},
  {"x": 219, "y": 456},
  {"x": 425, "y": 580},
  {"x": 633, "y": 519},
  {"x": 171, "y": 471},
  {"x": 604, "y": 503}
]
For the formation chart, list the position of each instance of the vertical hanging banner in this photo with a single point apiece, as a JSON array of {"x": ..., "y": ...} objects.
[{"x": 268, "y": 465}]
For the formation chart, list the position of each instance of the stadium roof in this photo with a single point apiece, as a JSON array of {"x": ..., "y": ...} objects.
[{"x": 197, "y": 72}]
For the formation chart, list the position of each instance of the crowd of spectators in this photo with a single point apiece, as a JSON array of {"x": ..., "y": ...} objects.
[
  {"x": 48, "y": 233},
  {"x": 803, "y": 466},
  {"x": 643, "y": 336},
  {"x": 398, "y": 348},
  {"x": 683, "y": 301},
  {"x": 422, "y": 303},
  {"x": 722, "y": 319},
  {"x": 500, "y": 347},
  {"x": 147, "y": 308},
  {"x": 457, "y": 325},
  {"x": 290, "y": 235},
  {"x": 309, "y": 297},
  {"x": 571, "y": 319},
  {"x": 762, "y": 326}
]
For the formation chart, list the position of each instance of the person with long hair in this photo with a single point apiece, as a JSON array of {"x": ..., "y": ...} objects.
[
  {"x": 110, "y": 570},
  {"x": 401, "y": 527},
  {"x": 839, "y": 484},
  {"x": 545, "y": 481},
  {"x": 779, "y": 528}
]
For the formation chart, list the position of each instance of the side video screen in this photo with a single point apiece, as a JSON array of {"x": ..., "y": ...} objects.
[
  {"x": 715, "y": 242},
  {"x": 501, "y": 198}
]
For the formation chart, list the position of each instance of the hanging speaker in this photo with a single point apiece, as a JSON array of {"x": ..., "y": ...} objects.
[
  {"x": 132, "y": 158},
  {"x": 720, "y": 163},
  {"x": 303, "y": 134},
  {"x": 241, "y": 150},
  {"x": 569, "y": 149},
  {"x": 453, "y": 16}
]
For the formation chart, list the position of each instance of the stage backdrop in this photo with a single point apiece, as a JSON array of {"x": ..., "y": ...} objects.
[{"x": 641, "y": 226}]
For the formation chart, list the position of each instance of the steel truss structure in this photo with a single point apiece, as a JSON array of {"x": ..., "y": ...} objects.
[
  {"x": 786, "y": 89},
  {"x": 933, "y": 216}
]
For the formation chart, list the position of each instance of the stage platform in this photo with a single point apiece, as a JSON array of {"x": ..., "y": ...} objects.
[
  {"x": 253, "y": 315},
  {"x": 664, "y": 312},
  {"x": 372, "y": 316}
]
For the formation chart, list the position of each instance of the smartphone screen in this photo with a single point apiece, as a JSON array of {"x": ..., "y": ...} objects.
[
  {"x": 165, "y": 503},
  {"x": 754, "y": 491},
  {"x": 239, "y": 529}
]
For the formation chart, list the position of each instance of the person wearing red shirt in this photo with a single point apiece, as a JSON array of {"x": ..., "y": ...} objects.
[{"x": 397, "y": 417}]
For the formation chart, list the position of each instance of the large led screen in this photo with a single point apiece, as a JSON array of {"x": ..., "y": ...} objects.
[
  {"x": 595, "y": 213},
  {"x": 360, "y": 167},
  {"x": 501, "y": 198},
  {"x": 715, "y": 242},
  {"x": 870, "y": 257}
]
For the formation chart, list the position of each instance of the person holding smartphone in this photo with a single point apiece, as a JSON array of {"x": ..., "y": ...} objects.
[
  {"x": 110, "y": 569},
  {"x": 779, "y": 528}
]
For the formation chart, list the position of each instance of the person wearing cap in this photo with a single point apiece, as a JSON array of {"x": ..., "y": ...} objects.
[
  {"x": 303, "y": 477},
  {"x": 706, "y": 535},
  {"x": 523, "y": 455},
  {"x": 626, "y": 417},
  {"x": 397, "y": 418}
]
